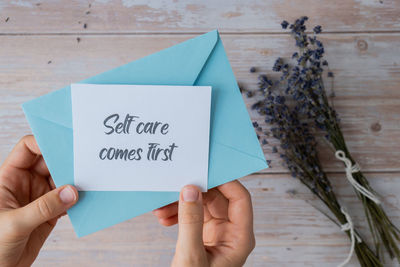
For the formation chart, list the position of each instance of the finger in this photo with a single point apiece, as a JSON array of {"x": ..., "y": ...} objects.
[
  {"x": 45, "y": 208},
  {"x": 166, "y": 211},
  {"x": 51, "y": 183},
  {"x": 24, "y": 154},
  {"x": 207, "y": 215},
  {"x": 40, "y": 167},
  {"x": 216, "y": 203},
  {"x": 240, "y": 211},
  {"x": 190, "y": 219},
  {"x": 169, "y": 221}
]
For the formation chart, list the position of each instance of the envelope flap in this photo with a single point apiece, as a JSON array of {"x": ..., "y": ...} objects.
[
  {"x": 54, "y": 107},
  {"x": 177, "y": 65},
  {"x": 234, "y": 147}
]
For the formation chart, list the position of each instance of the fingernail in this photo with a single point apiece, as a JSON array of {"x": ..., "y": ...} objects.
[
  {"x": 190, "y": 194},
  {"x": 67, "y": 195}
]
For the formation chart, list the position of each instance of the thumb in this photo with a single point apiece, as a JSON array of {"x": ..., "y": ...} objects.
[
  {"x": 46, "y": 207},
  {"x": 190, "y": 218}
]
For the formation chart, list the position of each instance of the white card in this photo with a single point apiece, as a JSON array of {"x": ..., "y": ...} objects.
[{"x": 140, "y": 137}]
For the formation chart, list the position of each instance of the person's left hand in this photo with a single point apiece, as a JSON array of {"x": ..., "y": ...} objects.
[
  {"x": 29, "y": 204},
  {"x": 215, "y": 228}
]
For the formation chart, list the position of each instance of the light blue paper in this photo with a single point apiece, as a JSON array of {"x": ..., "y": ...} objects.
[{"x": 234, "y": 148}]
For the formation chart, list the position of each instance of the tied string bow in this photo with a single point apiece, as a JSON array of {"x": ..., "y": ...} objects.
[
  {"x": 353, "y": 236},
  {"x": 350, "y": 169}
]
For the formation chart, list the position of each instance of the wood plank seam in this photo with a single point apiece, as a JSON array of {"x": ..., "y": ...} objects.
[{"x": 188, "y": 33}]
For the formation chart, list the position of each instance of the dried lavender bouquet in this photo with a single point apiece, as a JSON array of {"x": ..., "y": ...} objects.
[
  {"x": 304, "y": 84},
  {"x": 298, "y": 150}
]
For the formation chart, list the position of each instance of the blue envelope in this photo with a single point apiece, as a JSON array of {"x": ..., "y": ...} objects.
[{"x": 234, "y": 148}]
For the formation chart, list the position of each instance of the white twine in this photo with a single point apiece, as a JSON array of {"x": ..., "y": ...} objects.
[
  {"x": 350, "y": 169},
  {"x": 349, "y": 227}
]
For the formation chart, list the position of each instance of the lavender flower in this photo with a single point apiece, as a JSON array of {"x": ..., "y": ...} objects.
[
  {"x": 284, "y": 24},
  {"x": 305, "y": 85},
  {"x": 317, "y": 29},
  {"x": 302, "y": 84}
]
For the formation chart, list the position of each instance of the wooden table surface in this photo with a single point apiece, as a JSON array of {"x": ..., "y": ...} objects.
[{"x": 40, "y": 53}]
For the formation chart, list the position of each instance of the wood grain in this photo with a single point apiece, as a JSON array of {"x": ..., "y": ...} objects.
[
  {"x": 366, "y": 82},
  {"x": 40, "y": 53},
  {"x": 289, "y": 231},
  {"x": 173, "y": 16}
]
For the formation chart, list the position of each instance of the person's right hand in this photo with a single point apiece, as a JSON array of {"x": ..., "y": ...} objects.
[{"x": 215, "y": 229}]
